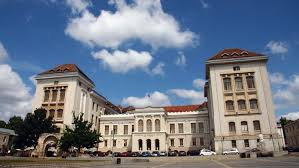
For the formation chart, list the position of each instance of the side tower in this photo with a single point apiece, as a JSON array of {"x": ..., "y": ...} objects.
[{"x": 240, "y": 101}]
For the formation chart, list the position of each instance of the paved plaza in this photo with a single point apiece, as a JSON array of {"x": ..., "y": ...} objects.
[{"x": 285, "y": 161}]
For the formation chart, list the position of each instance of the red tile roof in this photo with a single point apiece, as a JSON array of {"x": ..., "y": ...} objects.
[
  {"x": 230, "y": 53},
  {"x": 185, "y": 107},
  {"x": 66, "y": 68}
]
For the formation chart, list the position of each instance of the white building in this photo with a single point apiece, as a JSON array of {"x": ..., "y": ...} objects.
[
  {"x": 239, "y": 112},
  {"x": 240, "y": 101}
]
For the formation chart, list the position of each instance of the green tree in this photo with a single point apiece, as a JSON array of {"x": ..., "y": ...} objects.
[
  {"x": 3, "y": 124},
  {"x": 81, "y": 136},
  {"x": 31, "y": 128},
  {"x": 15, "y": 123}
]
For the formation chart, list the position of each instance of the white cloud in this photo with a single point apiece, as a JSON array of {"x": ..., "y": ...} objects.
[
  {"x": 291, "y": 116},
  {"x": 199, "y": 83},
  {"x": 122, "y": 62},
  {"x": 3, "y": 52},
  {"x": 141, "y": 20},
  {"x": 287, "y": 94},
  {"x": 277, "y": 47},
  {"x": 15, "y": 98},
  {"x": 154, "y": 99},
  {"x": 181, "y": 60},
  {"x": 204, "y": 4},
  {"x": 78, "y": 6},
  {"x": 277, "y": 78},
  {"x": 195, "y": 97},
  {"x": 158, "y": 69},
  {"x": 31, "y": 78}
]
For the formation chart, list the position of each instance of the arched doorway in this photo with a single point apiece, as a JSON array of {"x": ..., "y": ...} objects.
[
  {"x": 140, "y": 144},
  {"x": 157, "y": 144},
  {"x": 148, "y": 144},
  {"x": 50, "y": 146}
]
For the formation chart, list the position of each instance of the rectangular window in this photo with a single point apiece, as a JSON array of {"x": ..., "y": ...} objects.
[
  {"x": 97, "y": 108},
  {"x": 181, "y": 128},
  {"x": 47, "y": 94},
  {"x": 250, "y": 82},
  {"x": 234, "y": 144},
  {"x": 171, "y": 142},
  {"x": 181, "y": 142},
  {"x": 239, "y": 83},
  {"x": 106, "y": 129},
  {"x": 201, "y": 141},
  {"x": 256, "y": 125},
  {"x": 54, "y": 95},
  {"x": 193, "y": 128},
  {"x": 93, "y": 105},
  {"x": 246, "y": 142},
  {"x": 114, "y": 143},
  {"x": 125, "y": 142},
  {"x": 232, "y": 127},
  {"x": 132, "y": 128},
  {"x": 125, "y": 129},
  {"x": 172, "y": 129},
  {"x": 193, "y": 141},
  {"x": 62, "y": 95},
  {"x": 201, "y": 127},
  {"x": 105, "y": 143},
  {"x": 244, "y": 126},
  {"x": 227, "y": 84},
  {"x": 115, "y": 129}
]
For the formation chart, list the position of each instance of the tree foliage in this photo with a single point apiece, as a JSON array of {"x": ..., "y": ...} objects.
[
  {"x": 80, "y": 136},
  {"x": 31, "y": 128},
  {"x": 3, "y": 124}
]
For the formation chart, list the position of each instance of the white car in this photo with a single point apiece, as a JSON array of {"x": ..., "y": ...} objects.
[
  {"x": 206, "y": 152},
  {"x": 233, "y": 151}
]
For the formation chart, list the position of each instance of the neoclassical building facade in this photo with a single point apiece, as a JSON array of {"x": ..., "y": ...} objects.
[{"x": 238, "y": 113}]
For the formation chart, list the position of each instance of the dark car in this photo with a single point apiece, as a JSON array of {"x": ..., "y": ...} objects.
[
  {"x": 135, "y": 154},
  {"x": 101, "y": 154},
  {"x": 172, "y": 153},
  {"x": 116, "y": 154},
  {"x": 290, "y": 149},
  {"x": 182, "y": 153},
  {"x": 155, "y": 153},
  {"x": 193, "y": 152},
  {"x": 145, "y": 154},
  {"x": 124, "y": 154}
]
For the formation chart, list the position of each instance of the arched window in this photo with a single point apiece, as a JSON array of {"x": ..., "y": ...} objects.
[
  {"x": 244, "y": 126},
  {"x": 59, "y": 113},
  {"x": 256, "y": 125},
  {"x": 232, "y": 127},
  {"x": 229, "y": 105},
  {"x": 148, "y": 144},
  {"x": 250, "y": 82},
  {"x": 157, "y": 144},
  {"x": 253, "y": 104},
  {"x": 149, "y": 125},
  {"x": 140, "y": 144},
  {"x": 157, "y": 125},
  {"x": 227, "y": 84},
  {"x": 239, "y": 83},
  {"x": 241, "y": 105},
  {"x": 52, "y": 113},
  {"x": 140, "y": 126}
]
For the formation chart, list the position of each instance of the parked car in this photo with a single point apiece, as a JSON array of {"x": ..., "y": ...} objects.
[
  {"x": 145, "y": 154},
  {"x": 124, "y": 154},
  {"x": 155, "y": 153},
  {"x": 233, "y": 151},
  {"x": 291, "y": 149},
  {"x": 163, "y": 153},
  {"x": 135, "y": 154},
  {"x": 182, "y": 153},
  {"x": 206, "y": 152},
  {"x": 193, "y": 152},
  {"x": 101, "y": 154},
  {"x": 116, "y": 154},
  {"x": 171, "y": 153}
]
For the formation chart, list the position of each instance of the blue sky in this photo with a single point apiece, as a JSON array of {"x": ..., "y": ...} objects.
[{"x": 132, "y": 49}]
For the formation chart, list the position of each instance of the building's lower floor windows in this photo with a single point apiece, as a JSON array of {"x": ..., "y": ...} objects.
[
  {"x": 114, "y": 142},
  {"x": 181, "y": 142},
  {"x": 171, "y": 142},
  {"x": 201, "y": 141},
  {"x": 125, "y": 142},
  {"x": 105, "y": 143},
  {"x": 234, "y": 144},
  {"x": 246, "y": 142},
  {"x": 193, "y": 141}
]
